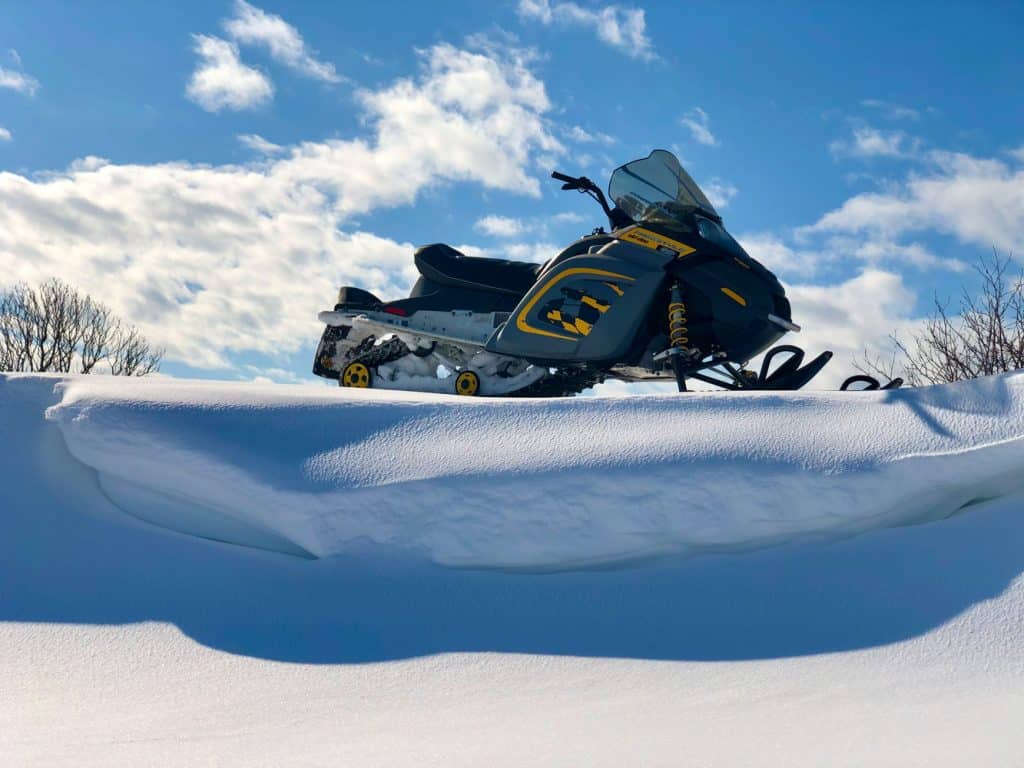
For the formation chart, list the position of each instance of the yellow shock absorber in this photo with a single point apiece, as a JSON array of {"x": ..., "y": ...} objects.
[
  {"x": 678, "y": 336},
  {"x": 678, "y": 333}
]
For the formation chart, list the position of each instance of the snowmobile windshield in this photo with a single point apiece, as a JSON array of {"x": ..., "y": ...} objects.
[{"x": 657, "y": 189}]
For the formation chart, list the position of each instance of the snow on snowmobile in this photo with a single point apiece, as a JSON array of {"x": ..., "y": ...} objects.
[{"x": 667, "y": 293}]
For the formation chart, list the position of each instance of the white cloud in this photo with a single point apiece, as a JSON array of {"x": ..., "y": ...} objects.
[
  {"x": 18, "y": 81},
  {"x": 222, "y": 81},
  {"x": 774, "y": 253},
  {"x": 879, "y": 251},
  {"x": 5, "y": 135},
  {"x": 872, "y": 142},
  {"x": 581, "y": 136},
  {"x": 546, "y": 226},
  {"x": 257, "y": 143},
  {"x": 699, "y": 125},
  {"x": 848, "y": 317},
  {"x": 619, "y": 27},
  {"x": 720, "y": 192},
  {"x": 568, "y": 217},
  {"x": 980, "y": 201},
  {"x": 253, "y": 26},
  {"x": 891, "y": 111},
  {"x": 15, "y": 56},
  {"x": 500, "y": 226},
  {"x": 215, "y": 261},
  {"x": 535, "y": 252},
  {"x": 874, "y": 251},
  {"x": 274, "y": 375}
]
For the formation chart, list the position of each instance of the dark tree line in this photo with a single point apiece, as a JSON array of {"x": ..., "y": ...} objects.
[
  {"x": 56, "y": 328},
  {"x": 985, "y": 337}
]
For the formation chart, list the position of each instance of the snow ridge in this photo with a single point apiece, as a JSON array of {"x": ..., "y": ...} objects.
[{"x": 540, "y": 483}]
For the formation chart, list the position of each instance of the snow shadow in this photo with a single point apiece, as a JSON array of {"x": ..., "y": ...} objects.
[{"x": 67, "y": 555}]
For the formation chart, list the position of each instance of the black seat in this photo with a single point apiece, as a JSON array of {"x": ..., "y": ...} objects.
[{"x": 443, "y": 264}]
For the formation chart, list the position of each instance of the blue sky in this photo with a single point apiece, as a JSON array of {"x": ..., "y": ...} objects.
[{"x": 214, "y": 170}]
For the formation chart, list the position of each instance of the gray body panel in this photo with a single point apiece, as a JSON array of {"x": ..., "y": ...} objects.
[{"x": 585, "y": 308}]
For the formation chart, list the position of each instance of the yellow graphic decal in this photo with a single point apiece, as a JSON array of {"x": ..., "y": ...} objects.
[
  {"x": 618, "y": 291},
  {"x": 582, "y": 326},
  {"x": 656, "y": 242},
  {"x": 525, "y": 327},
  {"x": 735, "y": 297},
  {"x": 600, "y": 306}
]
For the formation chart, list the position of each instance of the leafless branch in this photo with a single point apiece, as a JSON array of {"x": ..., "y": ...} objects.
[
  {"x": 985, "y": 337},
  {"x": 54, "y": 326}
]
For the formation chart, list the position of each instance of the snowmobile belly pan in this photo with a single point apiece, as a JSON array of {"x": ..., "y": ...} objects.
[{"x": 587, "y": 308}]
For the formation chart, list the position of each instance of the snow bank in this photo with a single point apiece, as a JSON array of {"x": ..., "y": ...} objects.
[
  {"x": 122, "y": 643},
  {"x": 539, "y": 483}
]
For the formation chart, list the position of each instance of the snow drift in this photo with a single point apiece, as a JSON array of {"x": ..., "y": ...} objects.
[
  {"x": 539, "y": 484},
  {"x": 124, "y": 643}
]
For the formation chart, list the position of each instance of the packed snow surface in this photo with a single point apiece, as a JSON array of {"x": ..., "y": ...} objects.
[
  {"x": 540, "y": 483},
  {"x": 125, "y": 643}
]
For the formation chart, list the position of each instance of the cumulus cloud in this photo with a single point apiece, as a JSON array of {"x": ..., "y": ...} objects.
[
  {"x": 866, "y": 141},
  {"x": 222, "y": 81},
  {"x": 697, "y": 122},
  {"x": 620, "y": 27},
  {"x": 252, "y": 26},
  {"x": 217, "y": 261},
  {"x": 5, "y": 135},
  {"x": 720, "y": 192},
  {"x": 538, "y": 252},
  {"x": 849, "y": 317},
  {"x": 980, "y": 201},
  {"x": 257, "y": 143},
  {"x": 500, "y": 226},
  {"x": 878, "y": 251},
  {"x": 18, "y": 81},
  {"x": 772, "y": 251},
  {"x": 803, "y": 261}
]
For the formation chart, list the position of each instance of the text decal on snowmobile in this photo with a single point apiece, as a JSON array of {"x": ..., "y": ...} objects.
[
  {"x": 656, "y": 242},
  {"x": 553, "y": 314}
]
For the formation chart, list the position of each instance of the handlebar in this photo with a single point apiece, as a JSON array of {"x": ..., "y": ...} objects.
[
  {"x": 585, "y": 185},
  {"x": 571, "y": 182}
]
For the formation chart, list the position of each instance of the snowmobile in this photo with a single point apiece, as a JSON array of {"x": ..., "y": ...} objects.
[{"x": 665, "y": 293}]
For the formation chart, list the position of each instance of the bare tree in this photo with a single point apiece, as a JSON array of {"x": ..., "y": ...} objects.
[
  {"x": 131, "y": 355},
  {"x": 56, "y": 328},
  {"x": 984, "y": 338}
]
